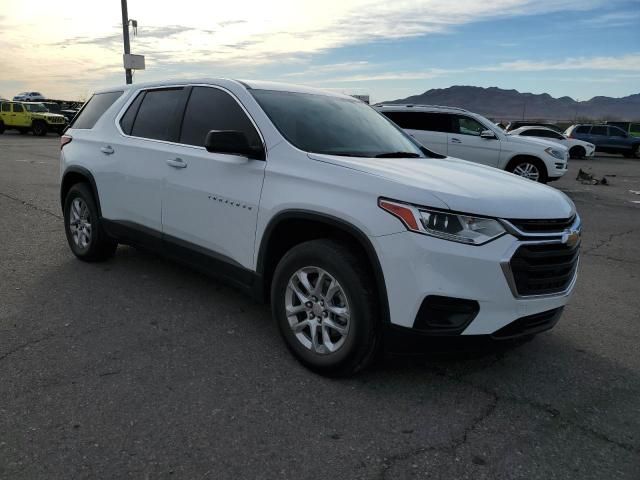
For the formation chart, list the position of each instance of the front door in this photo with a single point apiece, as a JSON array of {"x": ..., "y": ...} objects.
[
  {"x": 466, "y": 143},
  {"x": 210, "y": 200}
]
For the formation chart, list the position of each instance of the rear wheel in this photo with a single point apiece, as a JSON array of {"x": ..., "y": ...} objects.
[
  {"x": 323, "y": 301},
  {"x": 577, "y": 152},
  {"x": 529, "y": 168},
  {"x": 86, "y": 237},
  {"x": 39, "y": 128},
  {"x": 1, "y": 128},
  {"x": 636, "y": 151}
]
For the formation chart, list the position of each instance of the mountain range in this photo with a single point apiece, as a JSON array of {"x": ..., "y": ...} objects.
[{"x": 504, "y": 105}]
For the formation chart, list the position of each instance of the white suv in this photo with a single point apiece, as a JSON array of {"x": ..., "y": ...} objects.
[
  {"x": 462, "y": 134},
  {"x": 318, "y": 204}
]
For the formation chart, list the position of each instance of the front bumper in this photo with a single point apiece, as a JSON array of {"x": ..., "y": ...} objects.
[{"x": 418, "y": 266}]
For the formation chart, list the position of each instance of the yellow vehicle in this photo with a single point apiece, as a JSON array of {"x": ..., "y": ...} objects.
[{"x": 29, "y": 116}]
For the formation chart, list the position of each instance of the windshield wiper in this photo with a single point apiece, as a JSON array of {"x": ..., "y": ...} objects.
[{"x": 398, "y": 155}]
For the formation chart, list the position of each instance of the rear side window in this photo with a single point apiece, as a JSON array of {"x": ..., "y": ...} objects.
[
  {"x": 426, "y": 121},
  {"x": 214, "y": 109},
  {"x": 18, "y": 108},
  {"x": 601, "y": 130},
  {"x": 584, "y": 129},
  {"x": 94, "y": 108},
  {"x": 159, "y": 114},
  {"x": 126, "y": 122}
]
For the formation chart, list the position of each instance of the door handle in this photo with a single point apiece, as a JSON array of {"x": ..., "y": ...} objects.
[
  {"x": 177, "y": 163},
  {"x": 108, "y": 150},
  {"x": 456, "y": 140}
]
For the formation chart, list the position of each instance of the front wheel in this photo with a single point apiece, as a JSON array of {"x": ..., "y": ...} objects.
[
  {"x": 577, "y": 152},
  {"x": 39, "y": 129},
  {"x": 323, "y": 301},
  {"x": 529, "y": 168},
  {"x": 636, "y": 151},
  {"x": 86, "y": 237}
]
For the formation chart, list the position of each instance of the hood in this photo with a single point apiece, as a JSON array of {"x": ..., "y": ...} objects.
[
  {"x": 463, "y": 186},
  {"x": 535, "y": 140}
]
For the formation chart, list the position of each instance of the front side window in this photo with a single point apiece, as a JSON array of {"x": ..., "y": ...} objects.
[
  {"x": 334, "y": 125},
  {"x": 584, "y": 129},
  {"x": 159, "y": 114},
  {"x": 467, "y": 126},
  {"x": 94, "y": 109},
  {"x": 214, "y": 109},
  {"x": 528, "y": 133},
  {"x": 617, "y": 132},
  {"x": 600, "y": 130},
  {"x": 6, "y": 107},
  {"x": 36, "y": 108}
]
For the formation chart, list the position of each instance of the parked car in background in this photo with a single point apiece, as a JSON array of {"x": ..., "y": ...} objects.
[
  {"x": 525, "y": 123},
  {"x": 606, "y": 138},
  {"x": 577, "y": 148},
  {"x": 632, "y": 128},
  {"x": 55, "y": 107},
  {"x": 28, "y": 97},
  {"x": 312, "y": 201},
  {"x": 26, "y": 117},
  {"x": 462, "y": 134}
]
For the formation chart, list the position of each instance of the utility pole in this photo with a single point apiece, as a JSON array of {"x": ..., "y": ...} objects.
[{"x": 125, "y": 37}]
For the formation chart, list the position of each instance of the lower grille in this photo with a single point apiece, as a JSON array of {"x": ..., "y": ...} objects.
[
  {"x": 529, "y": 325},
  {"x": 542, "y": 269}
]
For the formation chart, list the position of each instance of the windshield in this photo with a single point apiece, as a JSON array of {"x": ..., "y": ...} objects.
[
  {"x": 334, "y": 126},
  {"x": 35, "y": 107},
  {"x": 53, "y": 107}
]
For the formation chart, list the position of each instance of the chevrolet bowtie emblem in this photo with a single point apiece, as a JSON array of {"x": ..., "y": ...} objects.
[{"x": 571, "y": 238}]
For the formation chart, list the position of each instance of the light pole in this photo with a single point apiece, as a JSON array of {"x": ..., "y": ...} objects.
[{"x": 125, "y": 37}]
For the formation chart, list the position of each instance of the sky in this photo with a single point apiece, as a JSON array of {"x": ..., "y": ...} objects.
[{"x": 388, "y": 49}]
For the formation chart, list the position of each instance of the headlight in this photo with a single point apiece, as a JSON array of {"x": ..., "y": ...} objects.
[
  {"x": 555, "y": 153},
  {"x": 445, "y": 225}
]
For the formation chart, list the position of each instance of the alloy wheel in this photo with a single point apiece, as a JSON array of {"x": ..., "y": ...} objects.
[
  {"x": 527, "y": 170},
  {"x": 317, "y": 310},
  {"x": 80, "y": 223}
]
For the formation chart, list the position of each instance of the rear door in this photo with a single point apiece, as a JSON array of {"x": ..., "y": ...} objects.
[
  {"x": 19, "y": 116},
  {"x": 210, "y": 200},
  {"x": 466, "y": 143},
  {"x": 429, "y": 128},
  {"x": 150, "y": 127},
  {"x": 599, "y": 136}
]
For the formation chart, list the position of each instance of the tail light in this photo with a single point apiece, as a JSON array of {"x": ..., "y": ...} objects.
[{"x": 65, "y": 139}]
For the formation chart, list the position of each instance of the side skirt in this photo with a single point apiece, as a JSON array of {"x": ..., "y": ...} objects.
[{"x": 194, "y": 256}]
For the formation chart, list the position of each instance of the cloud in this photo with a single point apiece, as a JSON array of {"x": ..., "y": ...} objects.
[
  {"x": 240, "y": 34},
  {"x": 614, "y": 65}
]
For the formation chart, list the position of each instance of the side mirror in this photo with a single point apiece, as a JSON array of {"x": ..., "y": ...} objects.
[
  {"x": 487, "y": 134},
  {"x": 232, "y": 142}
]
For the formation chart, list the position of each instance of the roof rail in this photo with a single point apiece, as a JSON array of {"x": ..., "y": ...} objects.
[{"x": 419, "y": 105}]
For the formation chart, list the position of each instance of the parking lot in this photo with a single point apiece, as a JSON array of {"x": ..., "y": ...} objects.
[{"x": 140, "y": 368}]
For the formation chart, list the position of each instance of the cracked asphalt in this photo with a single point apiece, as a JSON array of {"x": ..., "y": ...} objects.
[{"x": 140, "y": 368}]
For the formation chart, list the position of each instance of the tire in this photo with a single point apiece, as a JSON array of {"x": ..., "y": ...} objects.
[
  {"x": 39, "y": 128},
  {"x": 1, "y": 128},
  {"x": 23, "y": 131},
  {"x": 90, "y": 244},
  {"x": 577, "y": 152},
  {"x": 636, "y": 151},
  {"x": 352, "y": 345},
  {"x": 520, "y": 166}
]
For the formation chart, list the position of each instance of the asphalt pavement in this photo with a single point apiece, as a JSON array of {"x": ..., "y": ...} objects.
[{"x": 140, "y": 368}]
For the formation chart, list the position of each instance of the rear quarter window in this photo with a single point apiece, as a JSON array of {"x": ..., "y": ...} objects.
[{"x": 94, "y": 109}]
